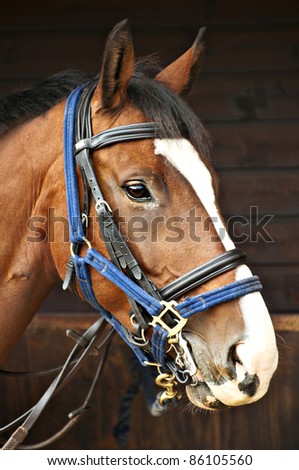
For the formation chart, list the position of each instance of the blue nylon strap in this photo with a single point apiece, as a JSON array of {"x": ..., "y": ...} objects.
[
  {"x": 111, "y": 272},
  {"x": 159, "y": 344},
  {"x": 218, "y": 296},
  {"x": 72, "y": 194},
  {"x": 83, "y": 276}
]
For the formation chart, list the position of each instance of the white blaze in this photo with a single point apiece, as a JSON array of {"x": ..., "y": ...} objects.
[{"x": 183, "y": 156}]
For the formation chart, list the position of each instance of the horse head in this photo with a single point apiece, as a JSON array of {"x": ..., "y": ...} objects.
[{"x": 161, "y": 191}]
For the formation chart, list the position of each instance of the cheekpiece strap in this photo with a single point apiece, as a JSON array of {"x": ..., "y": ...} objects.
[{"x": 73, "y": 204}]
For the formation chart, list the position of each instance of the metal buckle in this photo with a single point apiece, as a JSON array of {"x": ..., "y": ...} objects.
[
  {"x": 101, "y": 202},
  {"x": 169, "y": 307},
  {"x": 167, "y": 381}
]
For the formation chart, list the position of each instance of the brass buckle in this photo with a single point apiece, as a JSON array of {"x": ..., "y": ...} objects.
[{"x": 169, "y": 307}]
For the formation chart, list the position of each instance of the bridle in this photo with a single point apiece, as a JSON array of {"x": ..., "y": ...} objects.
[{"x": 152, "y": 309}]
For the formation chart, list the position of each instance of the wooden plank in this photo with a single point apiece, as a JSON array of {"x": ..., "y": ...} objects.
[
  {"x": 257, "y": 145},
  {"x": 210, "y": 431},
  {"x": 230, "y": 50},
  {"x": 286, "y": 322},
  {"x": 257, "y": 12},
  {"x": 39, "y": 53},
  {"x": 273, "y": 192},
  {"x": 280, "y": 286},
  {"x": 246, "y": 98},
  {"x": 266, "y": 239},
  {"x": 261, "y": 49},
  {"x": 89, "y": 14}
]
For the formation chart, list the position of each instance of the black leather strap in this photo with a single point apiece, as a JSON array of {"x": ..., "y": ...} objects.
[
  {"x": 219, "y": 265},
  {"x": 143, "y": 130}
]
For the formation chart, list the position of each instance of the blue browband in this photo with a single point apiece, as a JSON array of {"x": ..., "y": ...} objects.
[{"x": 158, "y": 310}]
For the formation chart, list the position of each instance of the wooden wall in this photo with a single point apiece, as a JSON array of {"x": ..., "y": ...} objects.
[
  {"x": 271, "y": 423},
  {"x": 247, "y": 96}
]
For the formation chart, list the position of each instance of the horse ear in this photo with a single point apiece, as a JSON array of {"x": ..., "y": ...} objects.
[
  {"x": 180, "y": 74},
  {"x": 117, "y": 69}
]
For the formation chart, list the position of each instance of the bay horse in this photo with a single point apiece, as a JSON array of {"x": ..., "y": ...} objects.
[{"x": 163, "y": 271}]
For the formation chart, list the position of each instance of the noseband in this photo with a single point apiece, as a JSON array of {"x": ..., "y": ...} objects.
[{"x": 150, "y": 307}]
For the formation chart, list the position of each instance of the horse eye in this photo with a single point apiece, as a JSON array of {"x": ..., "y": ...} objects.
[{"x": 137, "y": 191}]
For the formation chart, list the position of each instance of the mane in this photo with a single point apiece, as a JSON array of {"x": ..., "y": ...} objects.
[
  {"x": 28, "y": 103},
  {"x": 156, "y": 101}
]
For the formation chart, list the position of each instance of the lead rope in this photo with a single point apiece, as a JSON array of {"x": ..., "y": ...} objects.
[{"x": 145, "y": 379}]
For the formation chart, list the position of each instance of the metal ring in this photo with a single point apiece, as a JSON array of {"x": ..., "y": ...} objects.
[
  {"x": 133, "y": 321},
  {"x": 72, "y": 246}
]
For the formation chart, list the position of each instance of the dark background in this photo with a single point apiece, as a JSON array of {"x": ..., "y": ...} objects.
[{"x": 247, "y": 96}]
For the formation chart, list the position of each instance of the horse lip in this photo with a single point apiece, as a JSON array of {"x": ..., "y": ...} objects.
[
  {"x": 202, "y": 397},
  {"x": 203, "y": 373},
  {"x": 198, "y": 392}
]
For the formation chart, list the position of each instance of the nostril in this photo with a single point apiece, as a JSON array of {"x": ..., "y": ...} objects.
[
  {"x": 233, "y": 357},
  {"x": 249, "y": 385}
]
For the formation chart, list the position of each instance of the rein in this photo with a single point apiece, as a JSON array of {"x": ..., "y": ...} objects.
[
  {"x": 90, "y": 343},
  {"x": 151, "y": 309}
]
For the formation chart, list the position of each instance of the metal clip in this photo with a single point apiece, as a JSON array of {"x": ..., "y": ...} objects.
[
  {"x": 167, "y": 381},
  {"x": 169, "y": 307}
]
